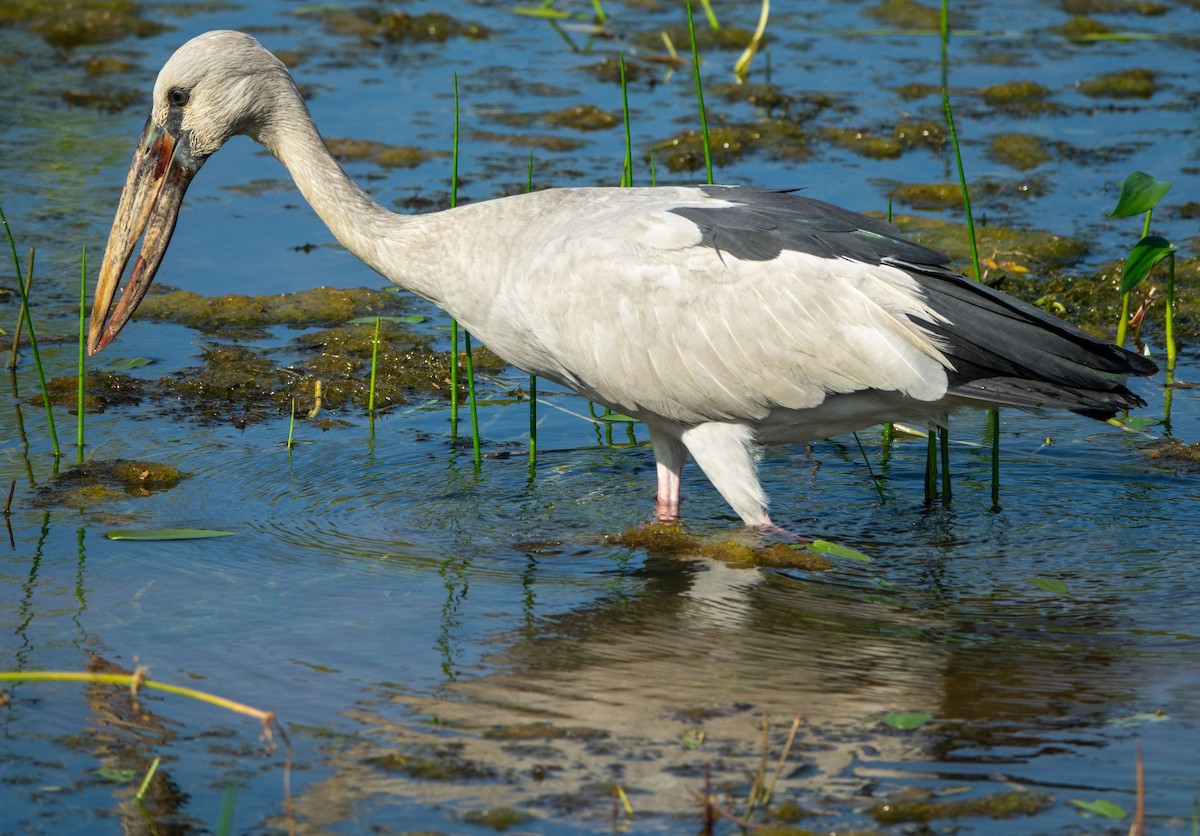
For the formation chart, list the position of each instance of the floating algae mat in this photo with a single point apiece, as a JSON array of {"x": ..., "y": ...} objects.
[
  {"x": 97, "y": 482},
  {"x": 242, "y": 381}
]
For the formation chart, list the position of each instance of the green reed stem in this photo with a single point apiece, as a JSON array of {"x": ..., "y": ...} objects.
[
  {"x": 374, "y": 366},
  {"x": 1169, "y": 317},
  {"x": 16, "y": 340},
  {"x": 138, "y": 681},
  {"x": 708, "y": 166},
  {"x": 82, "y": 363},
  {"x": 599, "y": 9},
  {"x": 993, "y": 414},
  {"x": 37, "y": 357},
  {"x": 292, "y": 426},
  {"x": 146, "y": 780},
  {"x": 711, "y": 15},
  {"x": 627, "y": 176}
]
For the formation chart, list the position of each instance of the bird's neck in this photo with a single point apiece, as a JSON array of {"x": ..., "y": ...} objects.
[{"x": 388, "y": 242}]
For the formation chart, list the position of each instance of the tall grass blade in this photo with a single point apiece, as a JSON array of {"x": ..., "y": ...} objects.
[
  {"x": 1169, "y": 319},
  {"x": 16, "y": 340},
  {"x": 742, "y": 67},
  {"x": 993, "y": 414},
  {"x": 710, "y": 14},
  {"x": 627, "y": 175},
  {"x": 374, "y": 366},
  {"x": 225, "y": 823},
  {"x": 708, "y": 167},
  {"x": 81, "y": 370},
  {"x": 37, "y": 357},
  {"x": 146, "y": 780},
  {"x": 292, "y": 426}
]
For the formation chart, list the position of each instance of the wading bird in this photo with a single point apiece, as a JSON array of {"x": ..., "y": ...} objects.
[{"x": 723, "y": 317}]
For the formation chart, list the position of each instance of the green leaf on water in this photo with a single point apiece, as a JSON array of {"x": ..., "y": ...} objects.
[
  {"x": 165, "y": 534},
  {"x": 1139, "y": 194},
  {"x": 1049, "y": 584},
  {"x": 904, "y": 720},
  {"x": 617, "y": 417},
  {"x": 836, "y": 550},
  {"x": 116, "y": 775},
  {"x": 1142, "y": 258},
  {"x": 124, "y": 364},
  {"x": 1099, "y": 807}
]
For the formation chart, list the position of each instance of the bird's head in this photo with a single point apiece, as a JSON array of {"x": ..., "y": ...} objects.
[{"x": 213, "y": 87}]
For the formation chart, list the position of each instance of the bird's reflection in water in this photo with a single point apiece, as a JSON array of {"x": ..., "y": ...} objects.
[{"x": 663, "y": 690}]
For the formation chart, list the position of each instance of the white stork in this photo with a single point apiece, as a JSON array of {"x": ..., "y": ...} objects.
[{"x": 723, "y": 317}]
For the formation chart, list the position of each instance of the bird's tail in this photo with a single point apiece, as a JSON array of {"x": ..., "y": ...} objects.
[{"x": 1008, "y": 352}]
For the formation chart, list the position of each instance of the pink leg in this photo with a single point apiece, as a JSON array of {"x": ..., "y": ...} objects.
[
  {"x": 666, "y": 506},
  {"x": 669, "y": 456}
]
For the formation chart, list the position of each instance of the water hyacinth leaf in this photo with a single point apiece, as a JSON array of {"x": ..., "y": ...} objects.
[
  {"x": 904, "y": 720},
  {"x": 124, "y": 364},
  {"x": 1142, "y": 258},
  {"x": 1049, "y": 585},
  {"x": 1139, "y": 194},
  {"x": 836, "y": 550},
  {"x": 1100, "y": 807},
  {"x": 116, "y": 774},
  {"x": 166, "y": 534}
]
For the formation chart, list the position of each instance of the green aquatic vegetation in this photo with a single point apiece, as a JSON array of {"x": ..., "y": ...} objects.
[
  {"x": 705, "y": 137},
  {"x": 863, "y": 142},
  {"x": 1022, "y": 97},
  {"x": 583, "y": 117},
  {"x": 499, "y": 819},
  {"x": 1083, "y": 28},
  {"x": 1137, "y": 83},
  {"x": 80, "y": 23},
  {"x": 377, "y": 26},
  {"x": 165, "y": 534},
  {"x": 918, "y": 806},
  {"x": 379, "y": 153},
  {"x": 887, "y": 144},
  {"x": 1022, "y": 152},
  {"x": 943, "y": 195},
  {"x": 672, "y": 539},
  {"x": 433, "y": 763},
  {"x": 102, "y": 389},
  {"x": 307, "y": 307},
  {"x": 906, "y": 14},
  {"x": 92, "y": 483},
  {"x": 727, "y": 38},
  {"x": 1025, "y": 251},
  {"x": 1140, "y": 193},
  {"x": 22, "y": 287},
  {"x": 687, "y": 151},
  {"x": 1146, "y": 8},
  {"x": 523, "y": 732},
  {"x": 545, "y": 142},
  {"x": 1099, "y": 807}
]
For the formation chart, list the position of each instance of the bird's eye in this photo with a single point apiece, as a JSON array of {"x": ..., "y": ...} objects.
[{"x": 177, "y": 96}]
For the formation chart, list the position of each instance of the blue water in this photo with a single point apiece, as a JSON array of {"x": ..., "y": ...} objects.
[{"x": 388, "y": 602}]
